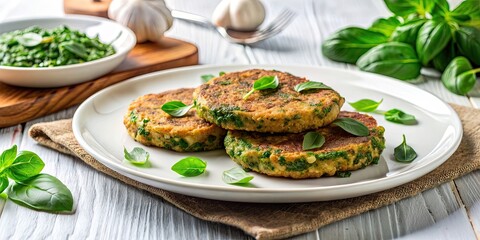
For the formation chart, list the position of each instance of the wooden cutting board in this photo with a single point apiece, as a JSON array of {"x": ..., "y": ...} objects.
[{"x": 19, "y": 104}]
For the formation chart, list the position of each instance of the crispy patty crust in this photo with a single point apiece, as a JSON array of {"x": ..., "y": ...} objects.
[
  {"x": 220, "y": 101},
  {"x": 281, "y": 155},
  {"x": 149, "y": 125}
]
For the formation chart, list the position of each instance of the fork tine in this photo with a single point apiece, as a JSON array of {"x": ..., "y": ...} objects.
[
  {"x": 277, "y": 28},
  {"x": 279, "y": 19}
]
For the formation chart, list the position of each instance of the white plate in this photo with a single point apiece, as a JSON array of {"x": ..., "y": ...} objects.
[
  {"x": 106, "y": 30},
  {"x": 99, "y": 129}
]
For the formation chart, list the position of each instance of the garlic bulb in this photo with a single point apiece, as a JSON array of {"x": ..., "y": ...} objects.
[
  {"x": 243, "y": 15},
  {"x": 149, "y": 19}
]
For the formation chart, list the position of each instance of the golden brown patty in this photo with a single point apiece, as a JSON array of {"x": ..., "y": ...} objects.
[
  {"x": 282, "y": 155},
  {"x": 149, "y": 125},
  {"x": 273, "y": 110}
]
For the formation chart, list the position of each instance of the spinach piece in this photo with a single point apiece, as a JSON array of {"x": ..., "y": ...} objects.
[
  {"x": 398, "y": 116},
  {"x": 137, "y": 156},
  {"x": 407, "y": 32},
  {"x": 393, "y": 59},
  {"x": 236, "y": 175},
  {"x": 27, "y": 164},
  {"x": 352, "y": 126},
  {"x": 312, "y": 140},
  {"x": 42, "y": 192},
  {"x": 310, "y": 85},
  {"x": 176, "y": 108},
  {"x": 366, "y": 105},
  {"x": 404, "y": 153},
  {"x": 265, "y": 82},
  {"x": 347, "y": 45},
  {"x": 459, "y": 76},
  {"x": 432, "y": 38},
  {"x": 468, "y": 42},
  {"x": 385, "y": 26},
  {"x": 190, "y": 166}
]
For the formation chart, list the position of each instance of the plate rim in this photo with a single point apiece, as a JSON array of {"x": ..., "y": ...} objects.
[{"x": 398, "y": 179}]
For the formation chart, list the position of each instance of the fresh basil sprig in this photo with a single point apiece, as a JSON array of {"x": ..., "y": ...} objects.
[
  {"x": 312, "y": 140},
  {"x": 310, "y": 85},
  {"x": 393, "y": 59},
  {"x": 137, "y": 156},
  {"x": 385, "y": 26},
  {"x": 352, "y": 126},
  {"x": 365, "y": 105},
  {"x": 347, "y": 45},
  {"x": 459, "y": 77},
  {"x": 190, "y": 166},
  {"x": 266, "y": 82},
  {"x": 207, "y": 77},
  {"x": 404, "y": 153},
  {"x": 398, "y": 116},
  {"x": 176, "y": 108},
  {"x": 29, "y": 188},
  {"x": 236, "y": 175}
]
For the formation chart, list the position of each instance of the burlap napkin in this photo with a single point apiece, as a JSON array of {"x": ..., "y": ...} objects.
[{"x": 268, "y": 221}]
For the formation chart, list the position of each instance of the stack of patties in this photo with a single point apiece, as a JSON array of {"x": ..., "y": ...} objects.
[{"x": 266, "y": 130}]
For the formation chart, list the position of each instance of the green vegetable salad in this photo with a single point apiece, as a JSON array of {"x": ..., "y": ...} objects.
[{"x": 37, "y": 47}]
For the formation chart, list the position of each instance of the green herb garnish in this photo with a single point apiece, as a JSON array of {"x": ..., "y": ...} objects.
[
  {"x": 398, "y": 116},
  {"x": 190, "y": 166},
  {"x": 137, "y": 156},
  {"x": 176, "y": 108},
  {"x": 311, "y": 85},
  {"x": 404, "y": 153},
  {"x": 459, "y": 76},
  {"x": 352, "y": 126},
  {"x": 266, "y": 82},
  {"x": 207, "y": 77},
  {"x": 236, "y": 175},
  {"x": 312, "y": 140},
  {"x": 365, "y": 105},
  {"x": 28, "y": 187}
]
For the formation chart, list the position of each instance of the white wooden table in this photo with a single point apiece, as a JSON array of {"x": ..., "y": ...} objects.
[{"x": 108, "y": 209}]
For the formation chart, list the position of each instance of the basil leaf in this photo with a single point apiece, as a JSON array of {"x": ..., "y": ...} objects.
[
  {"x": 406, "y": 7},
  {"x": 366, "y": 105},
  {"x": 432, "y": 38},
  {"x": 137, "y": 156},
  {"x": 393, "y": 59},
  {"x": 176, "y": 108},
  {"x": 398, "y": 116},
  {"x": 236, "y": 175},
  {"x": 265, "y": 82},
  {"x": 459, "y": 77},
  {"x": 467, "y": 13},
  {"x": 42, "y": 192},
  {"x": 7, "y": 158},
  {"x": 29, "y": 39},
  {"x": 27, "y": 164},
  {"x": 310, "y": 85},
  {"x": 385, "y": 26},
  {"x": 3, "y": 183},
  {"x": 347, "y": 45},
  {"x": 407, "y": 32},
  {"x": 312, "y": 140},
  {"x": 441, "y": 61},
  {"x": 221, "y": 73},
  {"x": 207, "y": 77},
  {"x": 442, "y": 8},
  {"x": 404, "y": 153},
  {"x": 190, "y": 166},
  {"x": 468, "y": 42},
  {"x": 352, "y": 126},
  {"x": 76, "y": 48}
]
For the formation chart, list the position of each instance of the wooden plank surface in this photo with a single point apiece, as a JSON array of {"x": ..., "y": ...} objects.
[{"x": 108, "y": 209}]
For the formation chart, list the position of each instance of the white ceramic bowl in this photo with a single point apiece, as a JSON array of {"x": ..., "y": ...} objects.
[{"x": 107, "y": 31}]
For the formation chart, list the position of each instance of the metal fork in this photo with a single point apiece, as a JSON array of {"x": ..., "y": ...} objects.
[{"x": 242, "y": 37}]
